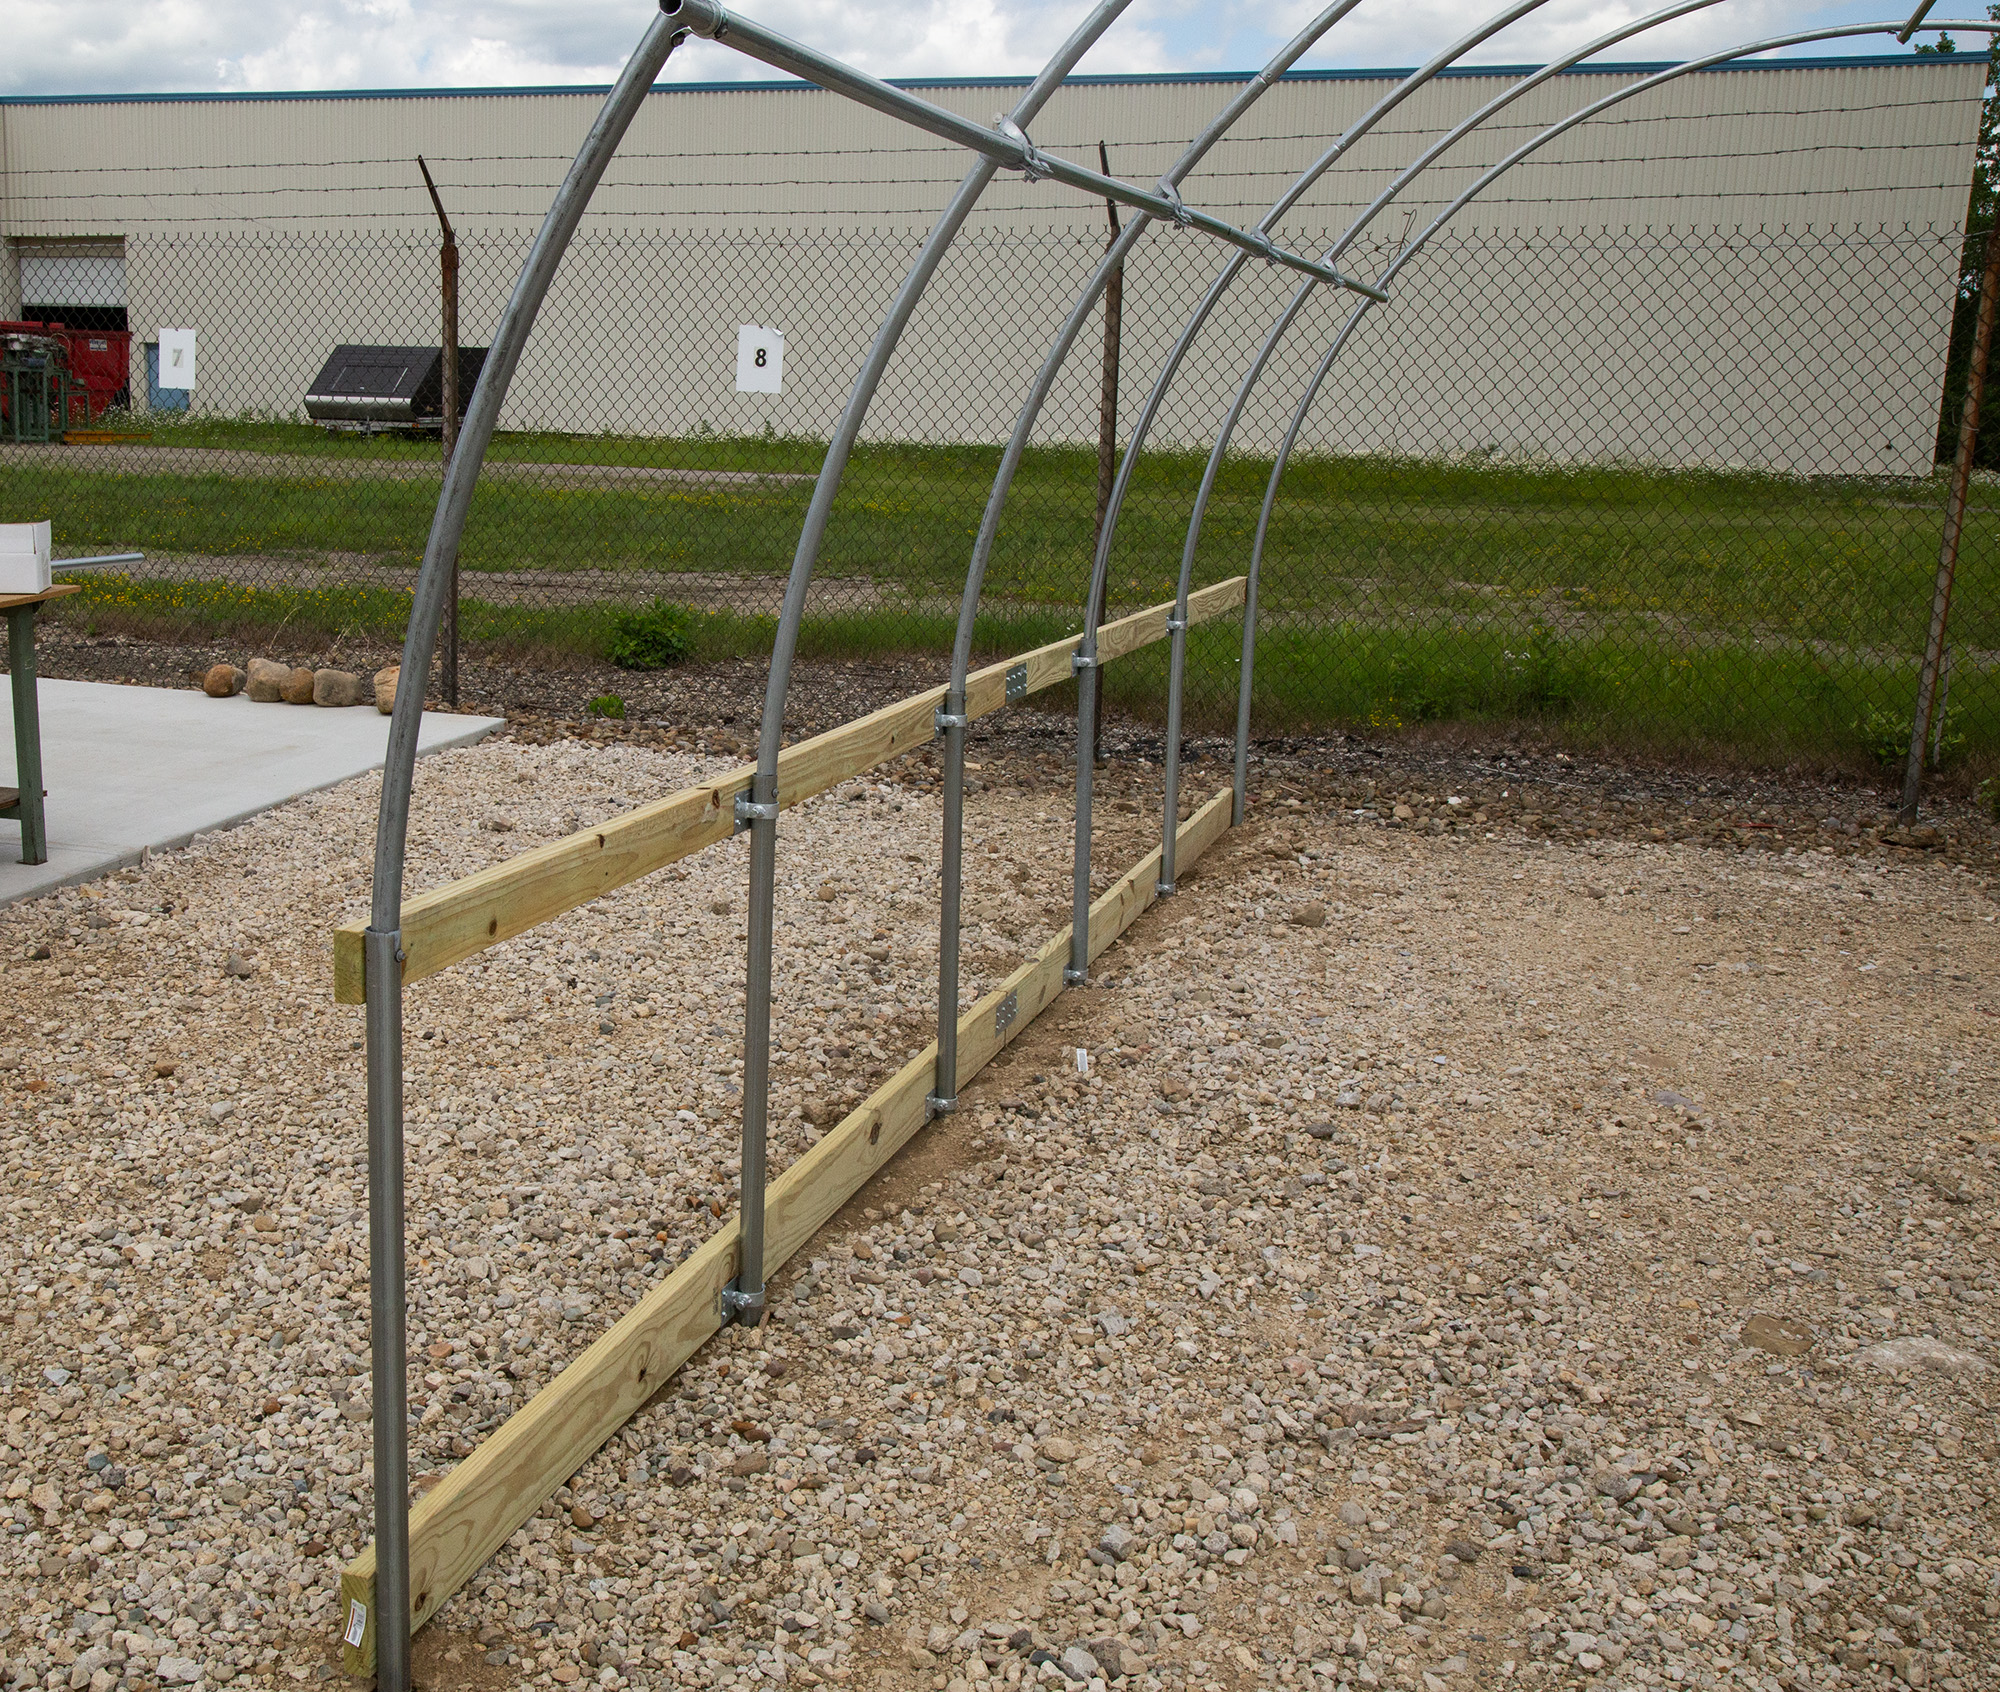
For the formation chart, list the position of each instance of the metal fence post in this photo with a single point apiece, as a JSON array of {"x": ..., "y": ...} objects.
[
  {"x": 448, "y": 294},
  {"x": 1954, "y": 528},
  {"x": 1107, "y": 408}
]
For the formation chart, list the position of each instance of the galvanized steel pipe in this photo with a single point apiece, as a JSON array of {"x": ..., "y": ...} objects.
[
  {"x": 952, "y": 892},
  {"x": 382, "y": 943},
  {"x": 746, "y": 1298}
]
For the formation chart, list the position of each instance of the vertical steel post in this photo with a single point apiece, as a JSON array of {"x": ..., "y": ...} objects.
[
  {"x": 1107, "y": 410},
  {"x": 1114, "y": 329},
  {"x": 382, "y": 966},
  {"x": 1954, "y": 528},
  {"x": 448, "y": 352}
]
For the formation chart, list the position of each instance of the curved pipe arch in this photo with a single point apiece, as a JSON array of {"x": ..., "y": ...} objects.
[
  {"x": 746, "y": 1298},
  {"x": 1339, "y": 343},
  {"x": 945, "y": 1088},
  {"x": 1087, "y": 678},
  {"x": 381, "y": 942},
  {"x": 1177, "y": 661}
]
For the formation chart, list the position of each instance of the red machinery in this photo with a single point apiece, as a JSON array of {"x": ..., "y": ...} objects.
[{"x": 99, "y": 364}]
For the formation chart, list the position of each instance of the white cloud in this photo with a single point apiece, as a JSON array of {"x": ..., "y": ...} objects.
[{"x": 111, "y": 46}]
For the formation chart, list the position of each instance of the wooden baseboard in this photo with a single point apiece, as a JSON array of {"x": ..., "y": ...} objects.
[{"x": 469, "y": 1514}]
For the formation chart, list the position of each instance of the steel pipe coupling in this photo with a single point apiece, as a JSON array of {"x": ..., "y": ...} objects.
[{"x": 704, "y": 17}]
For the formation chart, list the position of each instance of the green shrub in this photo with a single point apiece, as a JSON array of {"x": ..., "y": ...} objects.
[
  {"x": 607, "y": 705},
  {"x": 651, "y": 638},
  {"x": 1887, "y": 736}
]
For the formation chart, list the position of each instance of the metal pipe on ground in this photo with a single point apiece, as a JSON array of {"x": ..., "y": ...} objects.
[{"x": 1954, "y": 529}]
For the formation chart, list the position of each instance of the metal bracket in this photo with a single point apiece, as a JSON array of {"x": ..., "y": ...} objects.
[
  {"x": 1172, "y": 195},
  {"x": 1163, "y": 888},
  {"x": 743, "y": 1307},
  {"x": 1005, "y": 1012},
  {"x": 936, "y": 1106},
  {"x": 1017, "y": 681},
  {"x": 949, "y": 720},
  {"x": 750, "y": 811},
  {"x": 1177, "y": 625},
  {"x": 1081, "y": 661},
  {"x": 1074, "y": 977},
  {"x": 1033, "y": 166}
]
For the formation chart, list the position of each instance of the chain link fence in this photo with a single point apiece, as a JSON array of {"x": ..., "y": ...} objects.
[{"x": 1658, "y": 487}]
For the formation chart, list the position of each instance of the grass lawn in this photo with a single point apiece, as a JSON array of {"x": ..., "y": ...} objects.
[{"x": 1768, "y": 614}]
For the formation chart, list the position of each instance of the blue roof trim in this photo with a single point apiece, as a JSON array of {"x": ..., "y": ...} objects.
[{"x": 1596, "y": 68}]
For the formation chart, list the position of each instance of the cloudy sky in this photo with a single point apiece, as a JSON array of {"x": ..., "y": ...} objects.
[{"x": 112, "y": 46}]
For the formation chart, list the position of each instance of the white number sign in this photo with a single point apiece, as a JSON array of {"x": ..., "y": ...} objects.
[
  {"x": 760, "y": 360},
  {"x": 177, "y": 358}
]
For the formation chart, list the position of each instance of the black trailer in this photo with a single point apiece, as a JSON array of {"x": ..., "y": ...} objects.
[{"x": 381, "y": 389}]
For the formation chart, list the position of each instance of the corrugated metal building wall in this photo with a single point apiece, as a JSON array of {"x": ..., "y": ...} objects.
[{"x": 1689, "y": 229}]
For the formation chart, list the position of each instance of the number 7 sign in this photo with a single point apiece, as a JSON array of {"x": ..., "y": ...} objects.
[{"x": 760, "y": 360}]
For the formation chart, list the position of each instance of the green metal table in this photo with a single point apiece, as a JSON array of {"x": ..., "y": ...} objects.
[{"x": 25, "y": 801}]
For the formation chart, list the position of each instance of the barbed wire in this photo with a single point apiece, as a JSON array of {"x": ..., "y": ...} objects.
[{"x": 1321, "y": 137}]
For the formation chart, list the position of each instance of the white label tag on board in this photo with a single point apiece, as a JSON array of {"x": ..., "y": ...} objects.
[
  {"x": 357, "y": 1622},
  {"x": 760, "y": 360},
  {"x": 177, "y": 358}
]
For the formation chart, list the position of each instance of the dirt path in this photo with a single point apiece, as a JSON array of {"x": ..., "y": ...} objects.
[{"x": 141, "y": 460}]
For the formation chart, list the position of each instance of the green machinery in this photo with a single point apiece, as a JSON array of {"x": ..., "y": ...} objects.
[{"x": 34, "y": 387}]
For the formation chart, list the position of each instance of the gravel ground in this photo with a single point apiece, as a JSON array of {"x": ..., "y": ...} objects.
[{"x": 1467, "y": 1256}]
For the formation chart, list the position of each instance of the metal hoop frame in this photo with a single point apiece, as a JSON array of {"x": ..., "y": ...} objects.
[{"x": 1006, "y": 146}]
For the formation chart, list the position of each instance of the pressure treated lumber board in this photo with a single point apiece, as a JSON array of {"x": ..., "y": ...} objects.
[
  {"x": 449, "y": 924},
  {"x": 468, "y": 1515}
]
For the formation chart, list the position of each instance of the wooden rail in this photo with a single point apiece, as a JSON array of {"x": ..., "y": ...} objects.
[
  {"x": 452, "y": 923},
  {"x": 468, "y": 1515}
]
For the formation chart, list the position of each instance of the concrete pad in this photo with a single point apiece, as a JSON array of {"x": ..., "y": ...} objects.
[{"x": 136, "y": 769}]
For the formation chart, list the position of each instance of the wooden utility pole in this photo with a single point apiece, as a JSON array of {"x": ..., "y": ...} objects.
[
  {"x": 448, "y": 288},
  {"x": 1954, "y": 527}
]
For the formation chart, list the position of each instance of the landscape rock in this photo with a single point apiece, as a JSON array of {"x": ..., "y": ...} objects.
[
  {"x": 1478, "y": 1362},
  {"x": 1777, "y": 1335},
  {"x": 223, "y": 681},
  {"x": 266, "y": 680},
  {"x": 297, "y": 687},
  {"x": 1921, "y": 1351},
  {"x": 340, "y": 688},
  {"x": 385, "y": 688}
]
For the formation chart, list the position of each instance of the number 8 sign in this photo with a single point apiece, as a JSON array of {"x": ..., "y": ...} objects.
[{"x": 760, "y": 360}]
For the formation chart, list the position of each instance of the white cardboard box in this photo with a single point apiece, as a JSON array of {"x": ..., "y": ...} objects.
[{"x": 24, "y": 557}]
